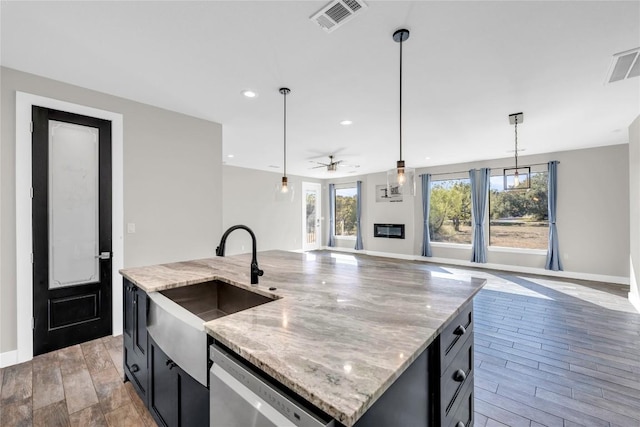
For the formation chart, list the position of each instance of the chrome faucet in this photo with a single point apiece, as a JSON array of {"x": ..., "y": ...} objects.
[{"x": 255, "y": 271}]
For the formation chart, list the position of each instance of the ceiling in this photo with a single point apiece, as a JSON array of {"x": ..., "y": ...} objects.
[{"x": 467, "y": 66}]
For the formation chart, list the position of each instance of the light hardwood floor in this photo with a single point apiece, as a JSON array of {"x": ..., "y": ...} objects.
[{"x": 547, "y": 353}]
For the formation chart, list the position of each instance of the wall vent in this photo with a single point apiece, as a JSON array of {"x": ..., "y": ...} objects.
[
  {"x": 336, "y": 13},
  {"x": 624, "y": 65}
]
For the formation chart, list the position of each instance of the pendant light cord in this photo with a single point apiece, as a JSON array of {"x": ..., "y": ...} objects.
[
  {"x": 285, "y": 133},
  {"x": 516, "y": 132},
  {"x": 401, "y": 41}
]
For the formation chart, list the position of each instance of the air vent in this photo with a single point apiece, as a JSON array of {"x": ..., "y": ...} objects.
[
  {"x": 336, "y": 13},
  {"x": 625, "y": 65}
]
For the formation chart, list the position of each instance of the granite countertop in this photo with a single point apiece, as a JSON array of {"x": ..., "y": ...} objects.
[{"x": 344, "y": 326}]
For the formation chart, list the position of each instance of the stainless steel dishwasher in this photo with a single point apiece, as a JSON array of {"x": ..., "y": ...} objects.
[{"x": 242, "y": 398}]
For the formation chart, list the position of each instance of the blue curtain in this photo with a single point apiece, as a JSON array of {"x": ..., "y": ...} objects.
[
  {"x": 358, "y": 215},
  {"x": 553, "y": 253},
  {"x": 332, "y": 215},
  {"x": 426, "y": 199},
  {"x": 479, "y": 195}
]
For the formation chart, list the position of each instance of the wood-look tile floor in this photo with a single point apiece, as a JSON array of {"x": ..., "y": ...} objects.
[
  {"x": 79, "y": 386},
  {"x": 547, "y": 353},
  {"x": 554, "y": 353}
]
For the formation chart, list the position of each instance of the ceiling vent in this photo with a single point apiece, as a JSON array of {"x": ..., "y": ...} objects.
[
  {"x": 625, "y": 65},
  {"x": 336, "y": 13}
]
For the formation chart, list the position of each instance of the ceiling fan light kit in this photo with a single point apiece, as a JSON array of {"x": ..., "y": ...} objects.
[
  {"x": 401, "y": 179},
  {"x": 517, "y": 178},
  {"x": 332, "y": 166}
]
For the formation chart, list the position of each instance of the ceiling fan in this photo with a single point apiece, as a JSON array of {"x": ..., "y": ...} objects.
[{"x": 332, "y": 166}]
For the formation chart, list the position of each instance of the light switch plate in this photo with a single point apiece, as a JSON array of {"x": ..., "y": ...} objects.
[{"x": 131, "y": 227}]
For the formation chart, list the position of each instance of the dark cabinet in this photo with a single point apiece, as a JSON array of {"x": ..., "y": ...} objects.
[
  {"x": 456, "y": 371},
  {"x": 135, "y": 338},
  {"x": 175, "y": 398}
]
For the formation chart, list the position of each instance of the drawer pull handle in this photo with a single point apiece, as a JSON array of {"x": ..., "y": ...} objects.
[
  {"x": 460, "y": 424},
  {"x": 460, "y": 330},
  {"x": 135, "y": 368},
  {"x": 171, "y": 364},
  {"x": 459, "y": 376}
]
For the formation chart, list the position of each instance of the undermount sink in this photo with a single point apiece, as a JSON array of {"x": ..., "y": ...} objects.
[
  {"x": 176, "y": 320},
  {"x": 212, "y": 300}
]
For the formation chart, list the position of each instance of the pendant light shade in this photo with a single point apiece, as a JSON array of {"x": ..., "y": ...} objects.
[
  {"x": 284, "y": 190},
  {"x": 401, "y": 179},
  {"x": 517, "y": 178}
]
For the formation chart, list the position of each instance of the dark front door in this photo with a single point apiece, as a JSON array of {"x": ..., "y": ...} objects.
[{"x": 71, "y": 173}]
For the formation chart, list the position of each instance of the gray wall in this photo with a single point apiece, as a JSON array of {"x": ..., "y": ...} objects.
[
  {"x": 249, "y": 199},
  {"x": 634, "y": 199},
  {"x": 172, "y": 182},
  {"x": 593, "y": 212}
]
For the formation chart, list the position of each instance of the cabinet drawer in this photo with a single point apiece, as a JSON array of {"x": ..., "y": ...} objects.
[
  {"x": 462, "y": 411},
  {"x": 458, "y": 374},
  {"x": 455, "y": 335},
  {"x": 136, "y": 370}
]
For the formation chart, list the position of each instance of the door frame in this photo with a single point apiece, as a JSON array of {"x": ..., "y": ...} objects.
[
  {"x": 305, "y": 186},
  {"x": 24, "y": 226}
]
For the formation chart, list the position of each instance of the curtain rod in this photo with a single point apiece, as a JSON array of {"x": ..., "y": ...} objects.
[{"x": 500, "y": 167}]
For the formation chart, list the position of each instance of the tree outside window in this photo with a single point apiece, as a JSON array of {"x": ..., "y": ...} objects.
[
  {"x": 345, "y": 214},
  {"x": 519, "y": 218},
  {"x": 450, "y": 211}
]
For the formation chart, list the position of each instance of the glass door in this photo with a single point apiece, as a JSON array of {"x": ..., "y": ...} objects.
[{"x": 311, "y": 216}]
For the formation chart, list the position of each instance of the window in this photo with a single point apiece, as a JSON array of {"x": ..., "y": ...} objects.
[
  {"x": 519, "y": 218},
  {"x": 345, "y": 214},
  {"x": 450, "y": 211}
]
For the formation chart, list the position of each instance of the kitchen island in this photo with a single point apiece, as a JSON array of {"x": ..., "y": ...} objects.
[{"x": 342, "y": 328}]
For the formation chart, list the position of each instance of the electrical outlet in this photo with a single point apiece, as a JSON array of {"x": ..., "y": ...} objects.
[{"x": 566, "y": 255}]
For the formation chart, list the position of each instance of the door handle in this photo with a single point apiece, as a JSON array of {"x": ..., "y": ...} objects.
[{"x": 104, "y": 255}]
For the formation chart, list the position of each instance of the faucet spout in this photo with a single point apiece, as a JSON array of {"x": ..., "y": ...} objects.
[{"x": 255, "y": 270}]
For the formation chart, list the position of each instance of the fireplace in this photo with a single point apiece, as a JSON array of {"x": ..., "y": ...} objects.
[{"x": 389, "y": 231}]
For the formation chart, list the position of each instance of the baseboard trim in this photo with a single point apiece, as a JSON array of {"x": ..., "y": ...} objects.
[
  {"x": 635, "y": 301},
  {"x": 502, "y": 267},
  {"x": 8, "y": 358}
]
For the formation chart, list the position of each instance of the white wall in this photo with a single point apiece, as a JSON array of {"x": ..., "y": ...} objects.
[
  {"x": 388, "y": 213},
  {"x": 634, "y": 199},
  {"x": 172, "y": 182},
  {"x": 593, "y": 213},
  {"x": 249, "y": 199}
]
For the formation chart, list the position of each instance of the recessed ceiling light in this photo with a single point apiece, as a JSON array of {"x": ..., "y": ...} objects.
[
  {"x": 427, "y": 158},
  {"x": 346, "y": 122},
  {"x": 274, "y": 166},
  {"x": 249, "y": 93},
  {"x": 231, "y": 156}
]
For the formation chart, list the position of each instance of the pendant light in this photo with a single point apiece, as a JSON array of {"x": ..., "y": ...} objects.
[
  {"x": 401, "y": 179},
  {"x": 284, "y": 191},
  {"x": 517, "y": 178}
]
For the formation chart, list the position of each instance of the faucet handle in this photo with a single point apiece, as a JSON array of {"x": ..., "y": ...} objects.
[{"x": 260, "y": 272}]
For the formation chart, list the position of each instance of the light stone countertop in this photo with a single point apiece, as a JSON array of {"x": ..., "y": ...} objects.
[{"x": 344, "y": 327}]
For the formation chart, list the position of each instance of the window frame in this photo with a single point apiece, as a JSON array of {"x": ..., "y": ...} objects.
[
  {"x": 451, "y": 177},
  {"x": 342, "y": 186},
  {"x": 498, "y": 172}
]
